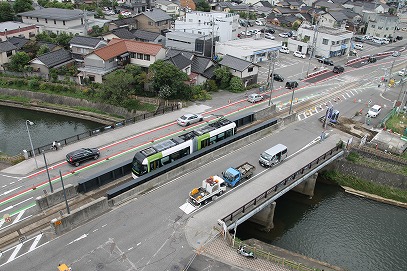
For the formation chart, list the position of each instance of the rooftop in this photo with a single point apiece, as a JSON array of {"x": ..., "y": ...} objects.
[
  {"x": 55, "y": 14},
  {"x": 85, "y": 41},
  {"x": 156, "y": 15},
  {"x": 251, "y": 44},
  {"x": 235, "y": 63},
  {"x": 7, "y": 26}
]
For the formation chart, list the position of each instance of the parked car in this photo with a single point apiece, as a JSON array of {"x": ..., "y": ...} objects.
[
  {"x": 359, "y": 46},
  {"x": 277, "y": 77},
  {"x": 291, "y": 84},
  {"x": 248, "y": 34},
  {"x": 125, "y": 13},
  {"x": 404, "y": 29},
  {"x": 254, "y": 98},
  {"x": 396, "y": 53},
  {"x": 371, "y": 59},
  {"x": 283, "y": 35},
  {"x": 338, "y": 69},
  {"x": 188, "y": 119},
  {"x": 258, "y": 22},
  {"x": 399, "y": 38},
  {"x": 325, "y": 61},
  {"x": 402, "y": 72},
  {"x": 268, "y": 30},
  {"x": 81, "y": 155},
  {"x": 358, "y": 39},
  {"x": 299, "y": 54},
  {"x": 374, "y": 111},
  {"x": 284, "y": 50},
  {"x": 269, "y": 36}
]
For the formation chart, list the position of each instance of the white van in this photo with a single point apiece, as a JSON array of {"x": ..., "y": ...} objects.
[
  {"x": 273, "y": 155},
  {"x": 377, "y": 40},
  {"x": 359, "y": 46},
  {"x": 385, "y": 40}
]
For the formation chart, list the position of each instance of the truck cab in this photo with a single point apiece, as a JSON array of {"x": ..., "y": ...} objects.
[{"x": 232, "y": 176}]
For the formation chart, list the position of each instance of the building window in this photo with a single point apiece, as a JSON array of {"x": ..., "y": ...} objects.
[
  {"x": 325, "y": 41},
  {"x": 63, "y": 22},
  {"x": 91, "y": 78},
  {"x": 139, "y": 56},
  {"x": 147, "y": 57},
  {"x": 250, "y": 69},
  {"x": 38, "y": 20},
  {"x": 150, "y": 23},
  {"x": 46, "y": 21},
  {"x": 55, "y": 21},
  {"x": 9, "y": 53}
]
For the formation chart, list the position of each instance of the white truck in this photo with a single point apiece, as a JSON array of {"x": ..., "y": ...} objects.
[{"x": 213, "y": 186}]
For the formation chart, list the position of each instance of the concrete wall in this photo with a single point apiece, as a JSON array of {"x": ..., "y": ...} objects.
[
  {"x": 265, "y": 217},
  {"x": 307, "y": 186},
  {"x": 79, "y": 216},
  {"x": 170, "y": 175},
  {"x": 48, "y": 200}
]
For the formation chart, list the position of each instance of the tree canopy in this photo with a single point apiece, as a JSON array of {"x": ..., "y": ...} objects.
[
  {"x": 6, "y": 12},
  {"x": 202, "y": 5},
  {"x": 19, "y": 61},
  {"x": 23, "y": 5}
]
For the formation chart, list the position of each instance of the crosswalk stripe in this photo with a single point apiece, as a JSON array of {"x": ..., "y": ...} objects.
[
  {"x": 15, "y": 252},
  {"x": 35, "y": 243},
  {"x": 2, "y": 222},
  {"x": 20, "y": 214}
]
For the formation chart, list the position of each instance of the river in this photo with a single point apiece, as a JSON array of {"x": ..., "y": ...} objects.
[
  {"x": 47, "y": 128},
  {"x": 354, "y": 233}
]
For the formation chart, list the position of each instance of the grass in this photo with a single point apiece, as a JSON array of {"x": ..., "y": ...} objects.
[
  {"x": 378, "y": 164},
  {"x": 365, "y": 186},
  {"x": 397, "y": 123}
]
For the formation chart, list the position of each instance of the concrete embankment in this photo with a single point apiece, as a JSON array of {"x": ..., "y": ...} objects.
[{"x": 374, "y": 197}]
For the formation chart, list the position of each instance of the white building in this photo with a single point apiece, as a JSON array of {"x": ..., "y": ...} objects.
[
  {"x": 252, "y": 50},
  {"x": 223, "y": 25}
]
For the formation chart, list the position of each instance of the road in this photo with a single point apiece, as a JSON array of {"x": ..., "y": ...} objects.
[{"x": 355, "y": 88}]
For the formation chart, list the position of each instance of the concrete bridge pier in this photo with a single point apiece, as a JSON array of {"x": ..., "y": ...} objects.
[
  {"x": 265, "y": 217},
  {"x": 307, "y": 187}
]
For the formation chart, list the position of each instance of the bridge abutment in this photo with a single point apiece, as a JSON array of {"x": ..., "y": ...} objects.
[
  {"x": 307, "y": 187},
  {"x": 265, "y": 217}
]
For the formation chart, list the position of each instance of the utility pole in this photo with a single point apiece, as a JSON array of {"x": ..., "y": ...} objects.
[
  {"x": 313, "y": 46},
  {"x": 247, "y": 20},
  {"x": 213, "y": 30},
  {"x": 273, "y": 60},
  {"x": 389, "y": 75}
]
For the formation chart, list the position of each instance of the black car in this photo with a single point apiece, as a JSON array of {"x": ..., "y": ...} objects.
[
  {"x": 81, "y": 155},
  {"x": 371, "y": 59},
  {"x": 325, "y": 61},
  {"x": 358, "y": 39},
  {"x": 291, "y": 84},
  {"x": 338, "y": 69},
  {"x": 268, "y": 30},
  {"x": 277, "y": 77}
]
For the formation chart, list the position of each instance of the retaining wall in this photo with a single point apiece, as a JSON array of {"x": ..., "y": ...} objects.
[
  {"x": 79, "y": 216},
  {"x": 48, "y": 200}
]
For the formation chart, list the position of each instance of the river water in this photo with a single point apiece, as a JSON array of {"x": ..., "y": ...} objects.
[
  {"x": 354, "y": 233},
  {"x": 47, "y": 128}
]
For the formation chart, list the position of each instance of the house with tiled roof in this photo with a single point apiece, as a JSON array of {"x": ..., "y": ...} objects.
[
  {"x": 285, "y": 11},
  {"x": 328, "y": 6},
  {"x": 58, "y": 20},
  {"x": 243, "y": 69},
  {"x": 129, "y": 23},
  {"x": 7, "y": 49},
  {"x": 138, "y": 5},
  {"x": 18, "y": 42},
  {"x": 154, "y": 20},
  {"x": 187, "y": 5},
  {"x": 52, "y": 60},
  {"x": 263, "y": 4},
  {"x": 17, "y": 29},
  {"x": 148, "y": 36},
  {"x": 118, "y": 53},
  {"x": 170, "y": 7},
  {"x": 82, "y": 45},
  {"x": 334, "y": 19}
]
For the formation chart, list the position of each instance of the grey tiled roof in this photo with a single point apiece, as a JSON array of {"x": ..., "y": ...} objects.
[
  {"x": 235, "y": 63},
  {"x": 199, "y": 64},
  {"x": 338, "y": 16},
  {"x": 209, "y": 73},
  {"x": 51, "y": 46},
  {"x": 85, "y": 41},
  {"x": 173, "y": 52},
  {"x": 179, "y": 61},
  {"x": 123, "y": 33},
  {"x": 6, "y": 46},
  {"x": 156, "y": 15},
  {"x": 266, "y": 4},
  {"x": 55, "y": 58},
  {"x": 18, "y": 42},
  {"x": 145, "y": 35},
  {"x": 54, "y": 13},
  {"x": 125, "y": 21}
]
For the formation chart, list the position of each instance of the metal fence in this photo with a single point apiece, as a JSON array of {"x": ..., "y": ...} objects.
[
  {"x": 103, "y": 129},
  {"x": 260, "y": 199}
]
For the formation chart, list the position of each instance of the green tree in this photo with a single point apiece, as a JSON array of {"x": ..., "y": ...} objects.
[
  {"x": 43, "y": 50},
  {"x": 222, "y": 75},
  {"x": 63, "y": 39},
  {"x": 19, "y": 61},
  {"x": 236, "y": 85},
  {"x": 6, "y": 12},
  {"x": 99, "y": 13},
  {"x": 167, "y": 78},
  {"x": 22, "y": 6},
  {"x": 117, "y": 87},
  {"x": 202, "y": 5}
]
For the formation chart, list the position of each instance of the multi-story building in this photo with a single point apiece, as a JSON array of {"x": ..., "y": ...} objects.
[
  {"x": 196, "y": 43},
  {"x": 82, "y": 46},
  {"x": 17, "y": 29},
  {"x": 219, "y": 24},
  {"x": 382, "y": 25},
  {"x": 169, "y": 7},
  {"x": 138, "y": 5},
  {"x": 7, "y": 49},
  {"x": 153, "y": 20}
]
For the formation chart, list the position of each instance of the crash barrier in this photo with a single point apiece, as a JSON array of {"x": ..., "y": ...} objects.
[
  {"x": 79, "y": 216},
  {"x": 265, "y": 196},
  {"x": 104, "y": 129},
  {"x": 316, "y": 73},
  {"x": 48, "y": 200},
  {"x": 183, "y": 165},
  {"x": 112, "y": 173},
  {"x": 274, "y": 258}
]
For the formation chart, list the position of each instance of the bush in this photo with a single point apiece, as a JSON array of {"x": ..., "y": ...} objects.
[
  {"x": 253, "y": 86},
  {"x": 210, "y": 86},
  {"x": 33, "y": 84},
  {"x": 236, "y": 85}
]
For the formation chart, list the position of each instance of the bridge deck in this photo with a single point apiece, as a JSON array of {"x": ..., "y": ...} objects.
[{"x": 200, "y": 226}]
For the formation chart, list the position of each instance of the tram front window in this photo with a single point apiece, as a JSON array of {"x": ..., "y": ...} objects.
[{"x": 138, "y": 168}]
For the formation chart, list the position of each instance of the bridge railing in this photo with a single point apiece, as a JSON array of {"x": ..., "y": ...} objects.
[{"x": 257, "y": 201}]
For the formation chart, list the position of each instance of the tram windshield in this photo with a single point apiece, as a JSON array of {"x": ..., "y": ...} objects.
[{"x": 138, "y": 168}]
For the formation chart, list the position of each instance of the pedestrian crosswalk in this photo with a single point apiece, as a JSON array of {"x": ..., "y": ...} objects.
[
  {"x": 7, "y": 221},
  {"x": 24, "y": 247}
]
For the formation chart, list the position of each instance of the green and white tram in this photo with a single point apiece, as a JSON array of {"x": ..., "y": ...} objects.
[{"x": 175, "y": 148}]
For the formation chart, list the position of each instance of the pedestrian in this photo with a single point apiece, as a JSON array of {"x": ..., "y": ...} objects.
[
  {"x": 54, "y": 145},
  {"x": 322, "y": 135}
]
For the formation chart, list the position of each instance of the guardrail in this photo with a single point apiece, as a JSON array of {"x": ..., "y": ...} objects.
[
  {"x": 103, "y": 129},
  {"x": 257, "y": 201}
]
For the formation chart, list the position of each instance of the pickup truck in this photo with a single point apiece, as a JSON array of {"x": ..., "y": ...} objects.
[
  {"x": 233, "y": 176},
  {"x": 211, "y": 188},
  {"x": 325, "y": 61}
]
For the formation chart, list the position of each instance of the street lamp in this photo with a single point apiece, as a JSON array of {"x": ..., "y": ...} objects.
[
  {"x": 291, "y": 104},
  {"x": 29, "y": 137},
  {"x": 271, "y": 73}
]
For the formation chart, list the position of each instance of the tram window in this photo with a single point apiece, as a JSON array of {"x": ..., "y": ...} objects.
[
  {"x": 221, "y": 136},
  {"x": 165, "y": 160},
  {"x": 154, "y": 164},
  {"x": 184, "y": 152},
  {"x": 229, "y": 133},
  {"x": 212, "y": 140},
  {"x": 204, "y": 143}
]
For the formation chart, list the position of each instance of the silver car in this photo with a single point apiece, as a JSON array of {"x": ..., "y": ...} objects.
[
  {"x": 188, "y": 119},
  {"x": 254, "y": 98}
]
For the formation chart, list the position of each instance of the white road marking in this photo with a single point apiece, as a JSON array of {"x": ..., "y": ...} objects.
[
  {"x": 77, "y": 239},
  {"x": 20, "y": 214},
  {"x": 95, "y": 230},
  {"x": 9, "y": 191},
  {"x": 1, "y": 223},
  {"x": 12, "y": 182},
  {"x": 12, "y": 206},
  {"x": 104, "y": 225},
  {"x": 15, "y": 252},
  {"x": 35, "y": 243},
  {"x": 4, "y": 186}
]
